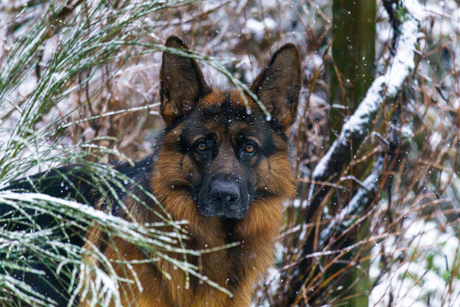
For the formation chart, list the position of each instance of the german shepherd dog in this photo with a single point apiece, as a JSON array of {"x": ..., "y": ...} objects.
[{"x": 218, "y": 166}]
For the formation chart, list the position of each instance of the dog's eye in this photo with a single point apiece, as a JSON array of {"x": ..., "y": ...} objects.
[
  {"x": 204, "y": 145},
  {"x": 201, "y": 146},
  {"x": 249, "y": 148}
]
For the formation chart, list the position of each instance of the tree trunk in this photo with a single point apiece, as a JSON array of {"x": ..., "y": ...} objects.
[
  {"x": 353, "y": 71},
  {"x": 353, "y": 51}
]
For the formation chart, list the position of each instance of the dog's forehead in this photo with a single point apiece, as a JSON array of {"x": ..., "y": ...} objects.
[
  {"x": 225, "y": 101},
  {"x": 224, "y": 113}
]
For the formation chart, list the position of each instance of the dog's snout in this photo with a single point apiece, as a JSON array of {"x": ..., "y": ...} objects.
[
  {"x": 225, "y": 192},
  {"x": 225, "y": 196}
]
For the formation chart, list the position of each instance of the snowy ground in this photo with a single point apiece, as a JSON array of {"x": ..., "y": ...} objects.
[{"x": 431, "y": 279}]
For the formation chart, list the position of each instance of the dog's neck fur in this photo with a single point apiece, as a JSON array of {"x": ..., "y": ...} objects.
[{"x": 235, "y": 268}]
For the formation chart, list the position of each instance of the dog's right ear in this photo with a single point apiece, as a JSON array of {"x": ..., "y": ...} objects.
[
  {"x": 278, "y": 85},
  {"x": 182, "y": 83}
]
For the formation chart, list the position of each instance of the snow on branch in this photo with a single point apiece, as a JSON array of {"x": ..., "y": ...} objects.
[
  {"x": 385, "y": 87},
  {"x": 359, "y": 201},
  {"x": 354, "y": 131}
]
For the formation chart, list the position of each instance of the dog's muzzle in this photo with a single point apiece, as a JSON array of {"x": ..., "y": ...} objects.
[{"x": 223, "y": 197}]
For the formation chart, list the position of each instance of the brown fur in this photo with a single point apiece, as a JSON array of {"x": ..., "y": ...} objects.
[{"x": 235, "y": 268}]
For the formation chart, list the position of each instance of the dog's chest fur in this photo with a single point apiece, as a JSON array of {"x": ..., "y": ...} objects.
[{"x": 236, "y": 268}]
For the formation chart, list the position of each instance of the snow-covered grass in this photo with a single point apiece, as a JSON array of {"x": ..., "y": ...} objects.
[{"x": 431, "y": 276}]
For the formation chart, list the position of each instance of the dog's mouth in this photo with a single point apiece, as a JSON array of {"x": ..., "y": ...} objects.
[
  {"x": 209, "y": 209},
  {"x": 223, "y": 198}
]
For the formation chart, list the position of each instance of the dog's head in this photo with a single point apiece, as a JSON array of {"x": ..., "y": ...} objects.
[{"x": 216, "y": 151}]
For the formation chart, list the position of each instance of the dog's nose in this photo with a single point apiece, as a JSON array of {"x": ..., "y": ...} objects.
[{"x": 225, "y": 192}]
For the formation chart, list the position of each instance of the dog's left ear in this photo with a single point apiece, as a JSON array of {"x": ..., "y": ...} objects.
[
  {"x": 278, "y": 85},
  {"x": 182, "y": 83}
]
